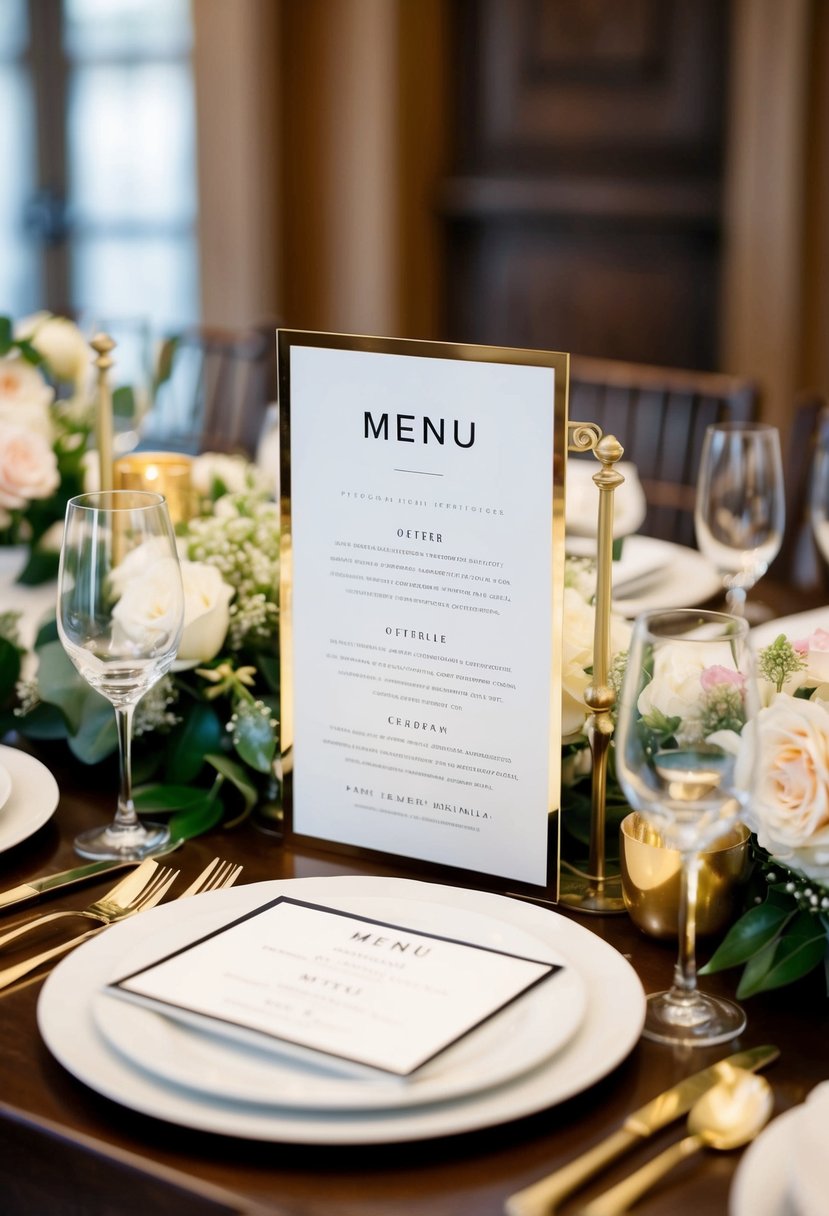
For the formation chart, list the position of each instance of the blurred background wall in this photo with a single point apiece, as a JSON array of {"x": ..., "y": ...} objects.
[{"x": 635, "y": 179}]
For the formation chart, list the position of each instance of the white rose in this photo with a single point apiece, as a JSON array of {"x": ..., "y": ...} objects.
[
  {"x": 216, "y": 466},
  {"x": 581, "y": 508},
  {"x": 28, "y": 467},
  {"x": 788, "y": 746},
  {"x": 61, "y": 345},
  {"x": 675, "y": 689},
  {"x": 149, "y": 613},
  {"x": 815, "y": 650},
  {"x": 25, "y": 397},
  {"x": 138, "y": 562},
  {"x": 577, "y": 654},
  {"x": 206, "y": 614}
]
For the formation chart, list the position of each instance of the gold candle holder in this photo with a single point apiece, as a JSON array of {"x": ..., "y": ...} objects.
[
  {"x": 651, "y": 879},
  {"x": 597, "y": 890},
  {"x": 168, "y": 473}
]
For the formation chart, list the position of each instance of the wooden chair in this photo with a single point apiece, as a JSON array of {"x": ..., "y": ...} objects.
[
  {"x": 215, "y": 385},
  {"x": 800, "y": 562},
  {"x": 659, "y": 415}
]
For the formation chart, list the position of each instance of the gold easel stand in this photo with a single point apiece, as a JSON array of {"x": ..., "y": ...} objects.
[{"x": 597, "y": 891}]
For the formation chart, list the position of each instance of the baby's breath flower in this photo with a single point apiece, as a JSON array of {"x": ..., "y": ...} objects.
[
  {"x": 779, "y": 661},
  {"x": 28, "y": 697},
  {"x": 153, "y": 710}
]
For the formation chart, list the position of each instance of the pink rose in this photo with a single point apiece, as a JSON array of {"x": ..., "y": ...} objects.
[
  {"x": 28, "y": 467},
  {"x": 717, "y": 675}
]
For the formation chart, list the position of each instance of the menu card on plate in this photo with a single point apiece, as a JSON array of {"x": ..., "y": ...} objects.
[
  {"x": 423, "y": 519},
  {"x": 359, "y": 991}
]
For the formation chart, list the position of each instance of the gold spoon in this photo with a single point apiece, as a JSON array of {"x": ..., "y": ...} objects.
[{"x": 727, "y": 1116}]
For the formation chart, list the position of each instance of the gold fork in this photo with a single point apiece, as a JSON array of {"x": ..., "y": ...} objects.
[
  {"x": 106, "y": 909},
  {"x": 214, "y": 877},
  {"x": 152, "y": 893}
]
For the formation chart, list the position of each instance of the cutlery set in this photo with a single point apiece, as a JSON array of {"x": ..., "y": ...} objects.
[
  {"x": 145, "y": 887},
  {"x": 730, "y": 1098}
]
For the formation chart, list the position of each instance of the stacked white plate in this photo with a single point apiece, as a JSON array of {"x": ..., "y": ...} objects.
[
  {"x": 553, "y": 1043},
  {"x": 785, "y": 1172},
  {"x": 28, "y": 796}
]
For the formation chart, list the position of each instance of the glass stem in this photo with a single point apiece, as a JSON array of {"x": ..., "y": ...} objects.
[
  {"x": 735, "y": 600},
  {"x": 685, "y": 971},
  {"x": 125, "y": 816}
]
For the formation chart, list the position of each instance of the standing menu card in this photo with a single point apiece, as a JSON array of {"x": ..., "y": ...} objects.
[
  {"x": 359, "y": 991},
  {"x": 423, "y": 538}
]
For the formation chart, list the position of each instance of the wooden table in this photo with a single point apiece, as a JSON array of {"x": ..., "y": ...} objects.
[{"x": 65, "y": 1149}]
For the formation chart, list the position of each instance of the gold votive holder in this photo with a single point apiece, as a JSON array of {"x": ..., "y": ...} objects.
[
  {"x": 651, "y": 879},
  {"x": 168, "y": 473}
]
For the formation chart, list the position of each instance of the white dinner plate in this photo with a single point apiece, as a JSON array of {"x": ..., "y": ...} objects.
[
  {"x": 801, "y": 625},
  {"x": 504, "y": 1047},
  {"x": 5, "y": 785},
  {"x": 33, "y": 798},
  {"x": 612, "y": 1023},
  {"x": 679, "y": 578}
]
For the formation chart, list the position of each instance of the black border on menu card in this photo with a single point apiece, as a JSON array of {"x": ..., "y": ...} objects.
[{"x": 299, "y": 472}]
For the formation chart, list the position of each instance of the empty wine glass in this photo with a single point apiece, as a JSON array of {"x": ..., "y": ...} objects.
[
  {"x": 819, "y": 488},
  {"x": 120, "y": 616},
  {"x": 740, "y": 507},
  {"x": 688, "y": 690}
]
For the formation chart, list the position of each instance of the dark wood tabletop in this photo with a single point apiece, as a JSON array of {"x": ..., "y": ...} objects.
[{"x": 65, "y": 1149}]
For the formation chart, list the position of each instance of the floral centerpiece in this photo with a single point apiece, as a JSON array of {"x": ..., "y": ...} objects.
[
  {"x": 785, "y": 932},
  {"x": 205, "y": 742},
  {"x": 45, "y": 424}
]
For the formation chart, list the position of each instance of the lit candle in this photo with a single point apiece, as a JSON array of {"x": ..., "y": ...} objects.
[
  {"x": 168, "y": 473},
  {"x": 102, "y": 344}
]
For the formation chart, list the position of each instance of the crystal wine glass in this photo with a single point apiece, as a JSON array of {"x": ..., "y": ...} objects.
[
  {"x": 120, "y": 617},
  {"x": 688, "y": 690},
  {"x": 740, "y": 507}
]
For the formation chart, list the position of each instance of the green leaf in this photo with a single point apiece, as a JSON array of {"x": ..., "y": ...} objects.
[
  {"x": 48, "y": 632},
  {"x": 188, "y": 744},
  {"x": 237, "y": 776},
  {"x": 160, "y": 798},
  {"x": 123, "y": 402},
  {"x": 164, "y": 366},
  {"x": 97, "y": 735},
  {"x": 6, "y": 333},
  {"x": 43, "y": 722},
  {"x": 198, "y": 819},
  {"x": 798, "y": 951},
  {"x": 29, "y": 353},
  {"x": 41, "y": 566},
  {"x": 751, "y": 933},
  {"x": 255, "y": 741},
  {"x": 61, "y": 685},
  {"x": 268, "y": 666},
  {"x": 9, "y": 668}
]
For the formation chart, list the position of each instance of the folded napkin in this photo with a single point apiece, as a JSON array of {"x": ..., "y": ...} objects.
[
  {"x": 5, "y": 785},
  {"x": 582, "y": 499},
  {"x": 809, "y": 1162}
]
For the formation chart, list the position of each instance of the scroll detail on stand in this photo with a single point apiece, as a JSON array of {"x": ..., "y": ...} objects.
[{"x": 596, "y": 890}]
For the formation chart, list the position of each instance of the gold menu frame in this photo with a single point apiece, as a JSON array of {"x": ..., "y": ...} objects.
[{"x": 559, "y": 362}]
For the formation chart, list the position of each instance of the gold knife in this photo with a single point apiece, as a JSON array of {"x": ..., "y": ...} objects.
[
  {"x": 540, "y": 1198},
  {"x": 69, "y": 878}
]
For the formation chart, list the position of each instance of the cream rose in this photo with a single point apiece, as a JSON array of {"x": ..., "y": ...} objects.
[
  {"x": 577, "y": 654},
  {"x": 28, "y": 467},
  {"x": 25, "y": 397},
  {"x": 675, "y": 691},
  {"x": 206, "y": 614},
  {"x": 788, "y": 746},
  {"x": 149, "y": 613},
  {"x": 60, "y": 344}
]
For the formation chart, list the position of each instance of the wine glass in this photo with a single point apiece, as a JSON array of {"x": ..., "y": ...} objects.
[
  {"x": 120, "y": 617},
  {"x": 740, "y": 508},
  {"x": 819, "y": 488},
  {"x": 687, "y": 691}
]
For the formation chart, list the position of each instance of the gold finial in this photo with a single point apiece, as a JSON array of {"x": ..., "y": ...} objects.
[{"x": 103, "y": 346}]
